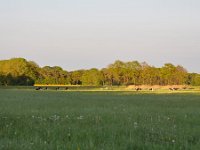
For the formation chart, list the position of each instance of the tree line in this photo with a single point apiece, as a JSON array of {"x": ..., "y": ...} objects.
[{"x": 19, "y": 71}]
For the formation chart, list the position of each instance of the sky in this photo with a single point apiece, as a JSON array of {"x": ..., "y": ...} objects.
[{"x": 82, "y": 34}]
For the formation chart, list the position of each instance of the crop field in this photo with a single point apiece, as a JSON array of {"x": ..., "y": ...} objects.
[{"x": 71, "y": 120}]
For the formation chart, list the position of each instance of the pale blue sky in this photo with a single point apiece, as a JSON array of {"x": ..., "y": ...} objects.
[{"x": 78, "y": 34}]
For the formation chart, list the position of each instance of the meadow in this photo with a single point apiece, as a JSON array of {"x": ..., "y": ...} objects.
[{"x": 75, "y": 120}]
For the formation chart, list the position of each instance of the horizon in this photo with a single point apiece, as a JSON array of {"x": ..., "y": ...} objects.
[{"x": 82, "y": 35}]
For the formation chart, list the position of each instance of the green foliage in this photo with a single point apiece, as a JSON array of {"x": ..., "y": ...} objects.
[
  {"x": 171, "y": 75},
  {"x": 75, "y": 77},
  {"x": 150, "y": 75},
  {"x": 121, "y": 73},
  {"x": 92, "y": 77},
  {"x": 194, "y": 79},
  {"x": 18, "y": 71},
  {"x": 53, "y": 75}
]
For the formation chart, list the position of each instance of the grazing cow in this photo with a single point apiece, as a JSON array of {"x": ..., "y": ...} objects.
[
  {"x": 138, "y": 89},
  {"x": 150, "y": 89},
  {"x": 38, "y": 88},
  {"x": 173, "y": 89},
  {"x": 176, "y": 89}
]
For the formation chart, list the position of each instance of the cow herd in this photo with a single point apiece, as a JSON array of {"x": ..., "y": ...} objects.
[
  {"x": 136, "y": 89},
  {"x": 53, "y": 88},
  {"x": 140, "y": 89},
  {"x": 171, "y": 89}
]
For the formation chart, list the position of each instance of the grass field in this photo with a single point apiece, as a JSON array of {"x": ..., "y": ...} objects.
[{"x": 60, "y": 120}]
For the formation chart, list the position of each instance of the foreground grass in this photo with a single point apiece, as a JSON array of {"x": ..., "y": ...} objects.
[{"x": 45, "y": 120}]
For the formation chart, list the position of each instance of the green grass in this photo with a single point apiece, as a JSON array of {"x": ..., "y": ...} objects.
[{"x": 50, "y": 120}]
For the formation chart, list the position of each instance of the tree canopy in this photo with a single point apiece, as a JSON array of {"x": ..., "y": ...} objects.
[{"x": 19, "y": 71}]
